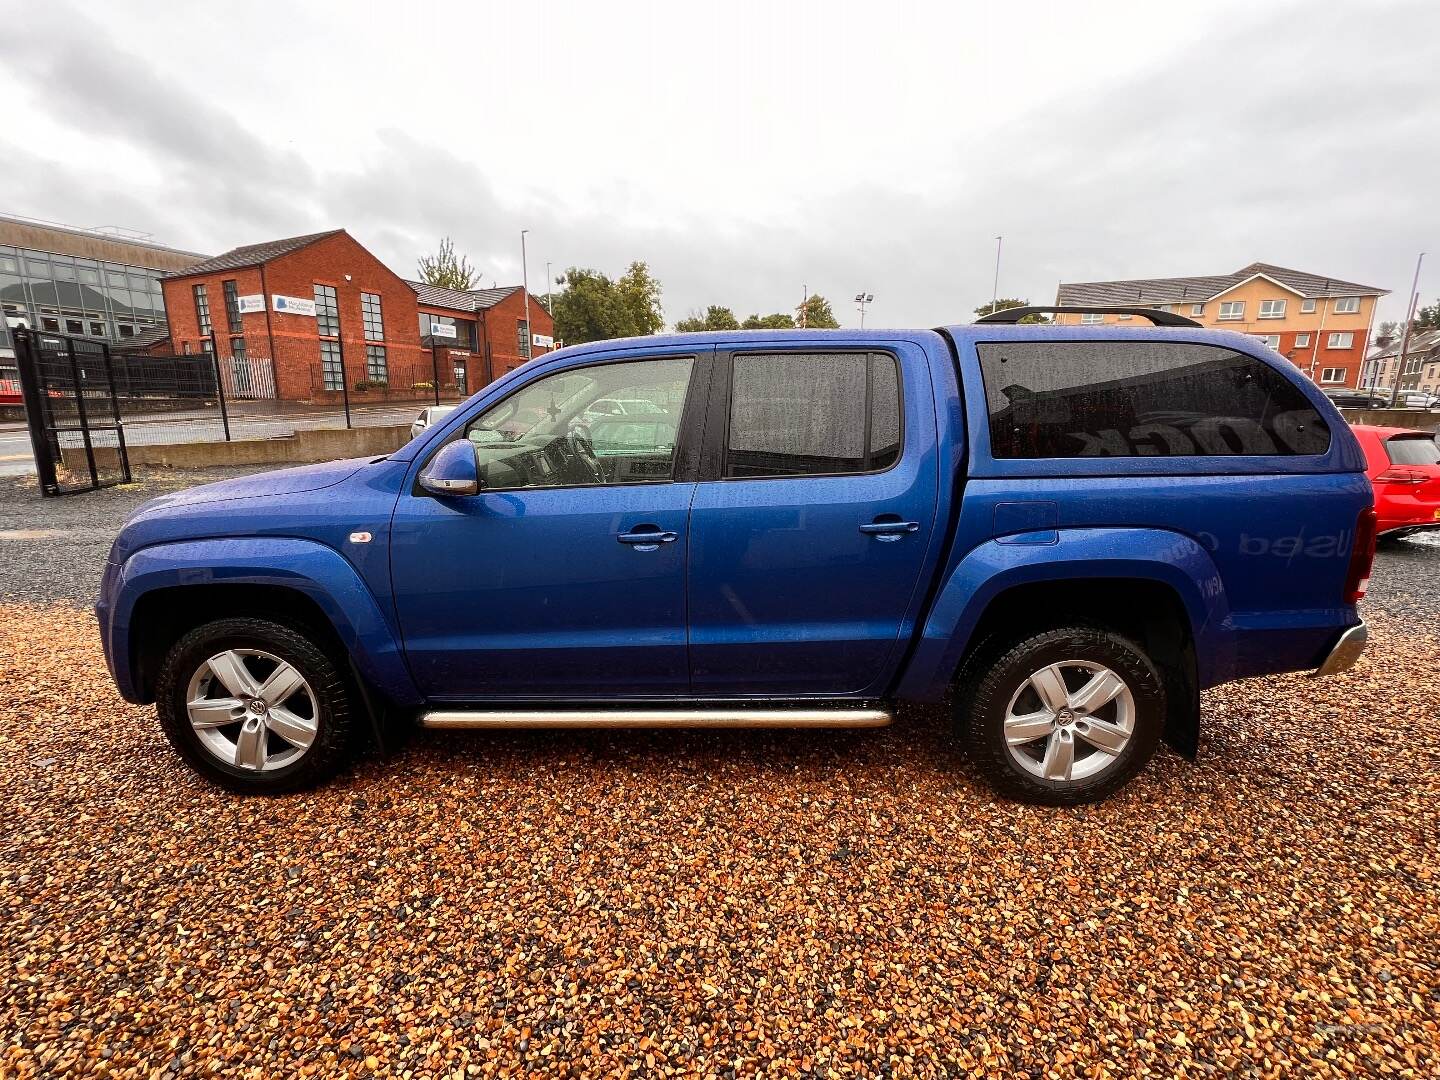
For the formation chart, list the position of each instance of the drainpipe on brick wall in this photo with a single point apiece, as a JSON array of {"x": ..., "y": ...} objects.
[
  {"x": 1315, "y": 352},
  {"x": 270, "y": 333},
  {"x": 1365, "y": 345}
]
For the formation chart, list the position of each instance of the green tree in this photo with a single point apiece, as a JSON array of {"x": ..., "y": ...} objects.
[
  {"x": 779, "y": 321},
  {"x": 447, "y": 270},
  {"x": 1001, "y": 305},
  {"x": 1427, "y": 318},
  {"x": 815, "y": 314},
  {"x": 591, "y": 307},
  {"x": 714, "y": 318}
]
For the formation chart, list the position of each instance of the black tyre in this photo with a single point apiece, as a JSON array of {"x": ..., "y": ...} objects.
[
  {"x": 1062, "y": 717},
  {"x": 255, "y": 706}
]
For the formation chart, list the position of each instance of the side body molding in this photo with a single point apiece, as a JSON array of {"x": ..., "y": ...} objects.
[
  {"x": 310, "y": 568},
  {"x": 990, "y": 568}
]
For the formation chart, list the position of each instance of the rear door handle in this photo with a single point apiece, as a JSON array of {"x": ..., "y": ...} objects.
[
  {"x": 647, "y": 538},
  {"x": 890, "y": 531}
]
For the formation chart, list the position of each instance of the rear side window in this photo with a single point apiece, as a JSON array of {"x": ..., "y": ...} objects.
[
  {"x": 1075, "y": 399},
  {"x": 1412, "y": 450},
  {"x": 813, "y": 414}
]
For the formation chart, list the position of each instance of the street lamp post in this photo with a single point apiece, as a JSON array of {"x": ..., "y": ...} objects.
[
  {"x": 525, "y": 285},
  {"x": 861, "y": 299},
  {"x": 1405, "y": 334},
  {"x": 995, "y": 287}
]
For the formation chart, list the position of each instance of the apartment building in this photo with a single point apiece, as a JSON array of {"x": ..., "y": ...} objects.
[{"x": 1321, "y": 324}]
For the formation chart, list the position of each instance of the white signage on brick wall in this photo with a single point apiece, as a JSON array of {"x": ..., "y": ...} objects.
[
  {"x": 542, "y": 341},
  {"x": 441, "y": 330},
  {"x": 293, "y": 305},
  {"x": 249, "y": 305}
]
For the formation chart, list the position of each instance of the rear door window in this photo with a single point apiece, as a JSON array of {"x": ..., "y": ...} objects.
[
  {"x": 1076, "y": 399},
  {"x": 1412, "y": 450},
  {"x": 813, "y": 414}
]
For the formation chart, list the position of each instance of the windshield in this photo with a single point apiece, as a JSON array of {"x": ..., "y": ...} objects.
[{"x": 1413, "y": 450}]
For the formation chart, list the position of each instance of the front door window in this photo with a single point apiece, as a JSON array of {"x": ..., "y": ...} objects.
[{"x": 574, "y": 429}]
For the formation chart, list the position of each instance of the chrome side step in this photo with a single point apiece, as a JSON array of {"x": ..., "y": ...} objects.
[{"x": 710, "y": 717}]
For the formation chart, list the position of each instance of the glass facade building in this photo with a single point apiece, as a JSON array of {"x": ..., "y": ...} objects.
[{"x": 79, "y": 282}]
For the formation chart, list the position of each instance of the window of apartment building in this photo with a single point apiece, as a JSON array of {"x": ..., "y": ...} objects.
[
  {"x": 48, "y": 322},
  {"x": 522, "y": 337},
  {"x": 1307, "y": 305},
  {"x": 1272, "y": 340},
  {"x": 207, "y": 346},
  {"x": 202, "y": 309},
  {"x": 1197, "y": 309},
  {"x": 97, "y": 329},
  {"x": 1347, "y": 305},
  {"x": 1232, "y": 309},
  {"x": 370, "y": 313},
  {"x": 1164, "y": 307},
  {"x": 237, "y": 348},
  {"x": 232, "y": 306},
  {"x": 331, "y": 369},
  {"x": 376, "y": 368},
  {"x": 1342, "y": 340},
  {"x": 74, "y": 326},
  {"x": 1302, "y": 341},
  {"x": 1092, "y": 317},
  {"x": 327, "y": 311},
  {"x": 1272, "y": 309},
  {"x": 1332, "y": 375},
  {"x": 125, "y": 330}
]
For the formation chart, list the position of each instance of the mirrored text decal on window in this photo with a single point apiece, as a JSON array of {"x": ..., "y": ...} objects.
[
  {"x": 811, "y": 414},
  {"x": 1069, "y": 399}
]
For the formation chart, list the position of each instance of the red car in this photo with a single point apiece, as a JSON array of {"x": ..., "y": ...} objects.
[{"x": 1404, "y": 466}]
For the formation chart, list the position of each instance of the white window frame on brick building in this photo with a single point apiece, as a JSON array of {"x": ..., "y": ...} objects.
[
  {"x": 1340, "y": 339},
  {"x": 1232, "y": 310},
  {"x": 1272, "y": 309},
  {"x": 1346, "y": 305},
  {"x": 1331, "y": 375}
]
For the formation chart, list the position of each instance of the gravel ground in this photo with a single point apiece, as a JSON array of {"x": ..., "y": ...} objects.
[{"x": 671, "y": 903}]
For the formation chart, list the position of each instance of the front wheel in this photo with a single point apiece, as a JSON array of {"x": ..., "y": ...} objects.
[
  {"x": 1064, "y": 717},
  {"x": 255, "y": 706}
]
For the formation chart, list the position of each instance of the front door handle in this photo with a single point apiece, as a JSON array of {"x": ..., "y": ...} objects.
[
  {"x": 647, "y": 537},
  {"x": 889, "y": 531}
]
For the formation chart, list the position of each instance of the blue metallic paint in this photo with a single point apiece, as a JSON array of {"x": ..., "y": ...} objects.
[{"x": 527, "y": 594}]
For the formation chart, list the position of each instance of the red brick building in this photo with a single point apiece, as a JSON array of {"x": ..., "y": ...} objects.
[{"x": 334, "y": 319}]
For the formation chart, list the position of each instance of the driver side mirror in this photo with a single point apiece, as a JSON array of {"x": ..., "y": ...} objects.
[{"x": 453, "y": 471}]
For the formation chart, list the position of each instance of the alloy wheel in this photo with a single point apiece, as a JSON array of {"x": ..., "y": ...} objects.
[
  {"x": 1069, "y": 721},
  {"x": 252, "y": 710}
]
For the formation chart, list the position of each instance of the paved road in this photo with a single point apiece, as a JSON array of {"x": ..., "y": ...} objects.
[{"x": 205, "y": 426}]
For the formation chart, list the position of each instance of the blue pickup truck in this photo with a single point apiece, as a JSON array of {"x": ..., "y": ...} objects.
[{"x": 1069, "y": 532}]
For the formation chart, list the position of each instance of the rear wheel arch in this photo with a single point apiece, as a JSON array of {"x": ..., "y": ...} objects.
[{"x": 1147, "y": 611}]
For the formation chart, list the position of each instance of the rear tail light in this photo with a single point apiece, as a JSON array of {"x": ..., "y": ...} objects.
[
  {"x": 1362, "y": 557},
  {"x": 1399, "y": 475}
]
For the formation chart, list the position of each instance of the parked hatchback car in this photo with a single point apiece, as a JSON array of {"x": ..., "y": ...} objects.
[
  {"x": 1404, "y": 466},
  {"x": 1068, "y": 531},
  {"x": 428, "y": 416}
]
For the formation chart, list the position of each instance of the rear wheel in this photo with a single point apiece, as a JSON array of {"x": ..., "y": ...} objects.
[
  {"x": 1063, "y": 717},
  {"x": 255, "y": 706}
]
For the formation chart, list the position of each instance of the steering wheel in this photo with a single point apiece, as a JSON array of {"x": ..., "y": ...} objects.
[{"x": 582, "y": 451}]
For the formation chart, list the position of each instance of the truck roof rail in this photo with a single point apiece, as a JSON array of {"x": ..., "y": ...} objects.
[{"x": 1156, "y": 317}]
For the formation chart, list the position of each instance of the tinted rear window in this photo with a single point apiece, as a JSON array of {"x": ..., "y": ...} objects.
[
  {"x": 1068, "y": 399},
  {"x": 1412, "y": 450}
]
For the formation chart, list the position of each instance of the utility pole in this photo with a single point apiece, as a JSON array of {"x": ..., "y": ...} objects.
[
  {"x": 1405, "y": 334},
  {"x": 804, "y": 304},
  {"x": 525, "y": 284},
  {"x": 995, "y": 288}
]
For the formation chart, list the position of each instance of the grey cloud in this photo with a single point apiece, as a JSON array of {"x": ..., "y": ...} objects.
[{"x": 1305, "y": 141}]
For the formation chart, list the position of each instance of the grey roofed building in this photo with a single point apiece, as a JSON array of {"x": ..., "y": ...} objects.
[
  {"x": 1422, "y": 342},
  {"x": 255, "y": 254},
  {"x": 1196, "y": 289},
  {"x": 460, "y": 299}
]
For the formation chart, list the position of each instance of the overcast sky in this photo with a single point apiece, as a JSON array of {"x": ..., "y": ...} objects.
[{"x": 749, "y": 150}]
